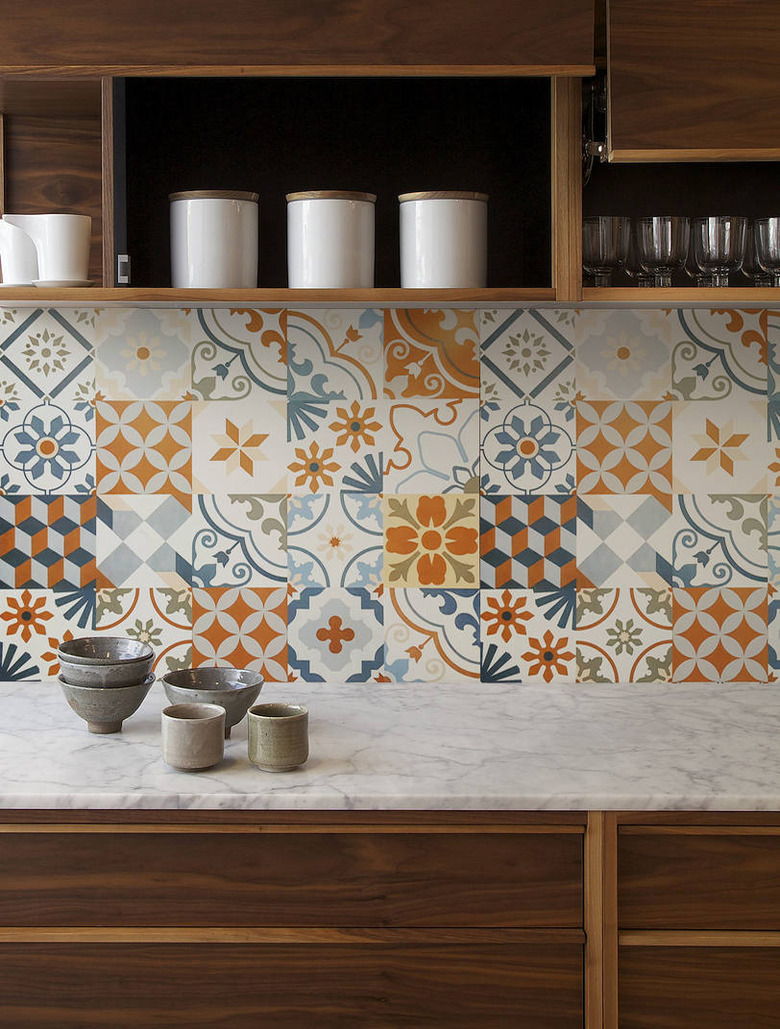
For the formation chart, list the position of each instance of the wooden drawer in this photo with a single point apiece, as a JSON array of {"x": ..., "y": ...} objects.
[
  {"x": 300, "y": 985},
  {"x": 699, "y": 878},
  {"x": 384, "y": 876},
  {"x": 698, "y": 987}
]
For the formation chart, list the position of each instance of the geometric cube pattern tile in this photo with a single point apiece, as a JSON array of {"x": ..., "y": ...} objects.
[{"x": 395, "y": 495}]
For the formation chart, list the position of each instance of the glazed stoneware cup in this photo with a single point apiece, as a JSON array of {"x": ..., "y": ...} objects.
[
  {"x": 193, "y": 736},
  {"x": 278, "y": 736}
]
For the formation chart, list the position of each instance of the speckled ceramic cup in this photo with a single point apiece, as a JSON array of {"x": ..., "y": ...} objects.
[
  {"x": 278, "y": 736},
  {"x": 193, "y": 736}
]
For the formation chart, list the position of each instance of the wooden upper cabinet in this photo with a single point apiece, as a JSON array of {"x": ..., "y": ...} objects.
[
  {"x": 278, "y": 36},
  {"x": 694, "y": 80}
]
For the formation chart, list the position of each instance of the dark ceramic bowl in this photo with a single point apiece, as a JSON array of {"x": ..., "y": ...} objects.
[{"x": 234, "y": 689}]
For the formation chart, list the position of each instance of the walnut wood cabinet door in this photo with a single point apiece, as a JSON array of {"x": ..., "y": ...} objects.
[{"x": 694, "y": 79}]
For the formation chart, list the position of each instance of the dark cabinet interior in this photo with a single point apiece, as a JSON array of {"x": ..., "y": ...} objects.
[{"x": 385, "y": 136}]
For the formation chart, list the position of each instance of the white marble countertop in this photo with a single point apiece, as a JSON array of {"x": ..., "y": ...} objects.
[{"x": 422, "y": 746}]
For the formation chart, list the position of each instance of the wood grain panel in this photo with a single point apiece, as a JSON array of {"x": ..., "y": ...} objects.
[
  {"x": 681, "y": 881},
  {"x": 299, "y": 33},
  {"x": 694, "y": 79},
  {"x": 196, "y": 985},
  {"x": 699, "y": 988},
  {"x": 566, "y": 177},
  {"x": 327, "y": 879},
  {"x": 54, "y": 165}
]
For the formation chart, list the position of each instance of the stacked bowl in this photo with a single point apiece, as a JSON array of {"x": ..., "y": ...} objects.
[{"x": 105, "y": 679}]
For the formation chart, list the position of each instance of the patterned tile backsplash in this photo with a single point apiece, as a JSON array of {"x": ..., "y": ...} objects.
[{"x": 395, "y": 495}]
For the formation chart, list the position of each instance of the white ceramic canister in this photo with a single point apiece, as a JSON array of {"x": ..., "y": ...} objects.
[
  {"x": 214, "y": 239},
  {"x": 330, "y": 239},
  {"x": 443, "y": 240}
]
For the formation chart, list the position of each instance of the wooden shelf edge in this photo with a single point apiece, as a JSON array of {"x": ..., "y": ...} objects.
[
  {"x": 677, "y": 294},
  {"x": 626, "y": 156},
  {"x": 281, "y": 70},
  {"x": 694, "y": 938},
  {"x": 274, "y": 297}
]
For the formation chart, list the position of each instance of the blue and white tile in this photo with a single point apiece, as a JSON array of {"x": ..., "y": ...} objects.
[
  {"x": 49, "y": 353},
  {"x": 239, "y": 540},
  {"x": 525, "y": 352},
  {"x": 432, "y": 635},
  {"x": 623, "y": 540},
  {"x": 432, "y": 447},
  {"x": 237, "y": 352},
  {"x": 720, "y": 540},
  {"x": 143, "y": 541},
  {"x": 624, "y": 355},
  {"x": 335, "y": 635},
  {"x": 335, "y": 539},
  {"x": 143, "y": 354}
]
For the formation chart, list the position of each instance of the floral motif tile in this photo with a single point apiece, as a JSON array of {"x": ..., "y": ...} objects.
[
  {"x": 720, "y": 540},
  {"x": 335, "y": 539},
  {"x": 624, "y": 635},
  {"x": 343, "y": 451},
  {"x": 144, "y": 541},
  {"x": 335, "y": 635},
  {"x": 432, "y": 635},
  {"x": 160, "y": 617},
  {"x": 431, "y": 353},
  {"x": 433, "y": 446},
  {"x": 431, "y": 540},
  {"x": 238, "y": 352},
  {"x": 625, "y": 448},
  {"x": 48, "y": 353},
  {"x": 144, "y": 447},
  {"x": 332, "y": 355},
  {"x": 720, "y": 354},
  {"x": 524, "y": 353},
  {"x": 625, "y": 355},
  {"x": 527, "y": 541},
  {"x": 528, "y": 448},
  {"x": 143, "y": 354},
  {"x": 47, "y": 448},
  {"x": 773, "y": 540},
  {"x": 239, "y": 446},
  {"x": 623, "y": 540},
  {"x": 773, "y": 616},
  {"x": 33, "y": 624},
  {"x": 241, "y": 628},
  {"x": 47, "y": 542},
  {"x": 527, "y": 635},
  {"x": 721, "y": 447},
  {"x": 773, "y": 482},
  {"x": 720, "y": 634},
  {"x": 239, "y": 540}
]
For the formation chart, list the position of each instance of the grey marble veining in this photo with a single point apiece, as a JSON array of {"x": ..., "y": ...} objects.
[{"x": 430, "y": 746}]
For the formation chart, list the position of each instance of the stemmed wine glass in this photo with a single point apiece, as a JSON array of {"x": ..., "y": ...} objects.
[
  {"x": 693, "y": 271},
  {"x": 662, "y": 243},
  {"x": 719, "y": 246},
  {"x": 604, "y": 246},
  {"x": 751, "y": 269},
  {"x": 768, "y": 246},
  {"x": 632, "y": 267}
]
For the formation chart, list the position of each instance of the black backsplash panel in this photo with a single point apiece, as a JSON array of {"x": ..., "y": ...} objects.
[{"x": 385, "y": 136}]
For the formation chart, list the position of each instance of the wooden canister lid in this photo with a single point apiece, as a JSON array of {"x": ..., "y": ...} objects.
[
  {"x": 215, "y": 194},
  {"x": 443, "y": 194},
  {"x": 331, "y": 194}
]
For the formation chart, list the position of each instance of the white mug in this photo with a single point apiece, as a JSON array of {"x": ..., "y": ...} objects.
[{"x": 61, "y": 242}]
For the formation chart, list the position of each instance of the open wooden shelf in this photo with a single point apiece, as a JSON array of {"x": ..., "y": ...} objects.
[
  {"x": 678, "y": 294},
  {"x": 377, "y": 297}
]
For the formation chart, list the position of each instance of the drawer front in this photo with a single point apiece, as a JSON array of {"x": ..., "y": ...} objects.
[
  {"x": 678, "y": 880},
  {"x": 291, "y": 879},
  {"x": 148, "y": 987},
  {"x": 698, "y": 987}
]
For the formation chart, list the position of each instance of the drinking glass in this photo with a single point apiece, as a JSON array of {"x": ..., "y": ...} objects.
[
  {"x": 768, "y": 246},
  {"x": 751, "y": 269},
  {"x": 693, "y": 272},
  {"x": 604, "y": 246},
  {"x": 632, "y": 267},
  {"x": 662, "y": 243},
  {"x": 719, "y": 246}
]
